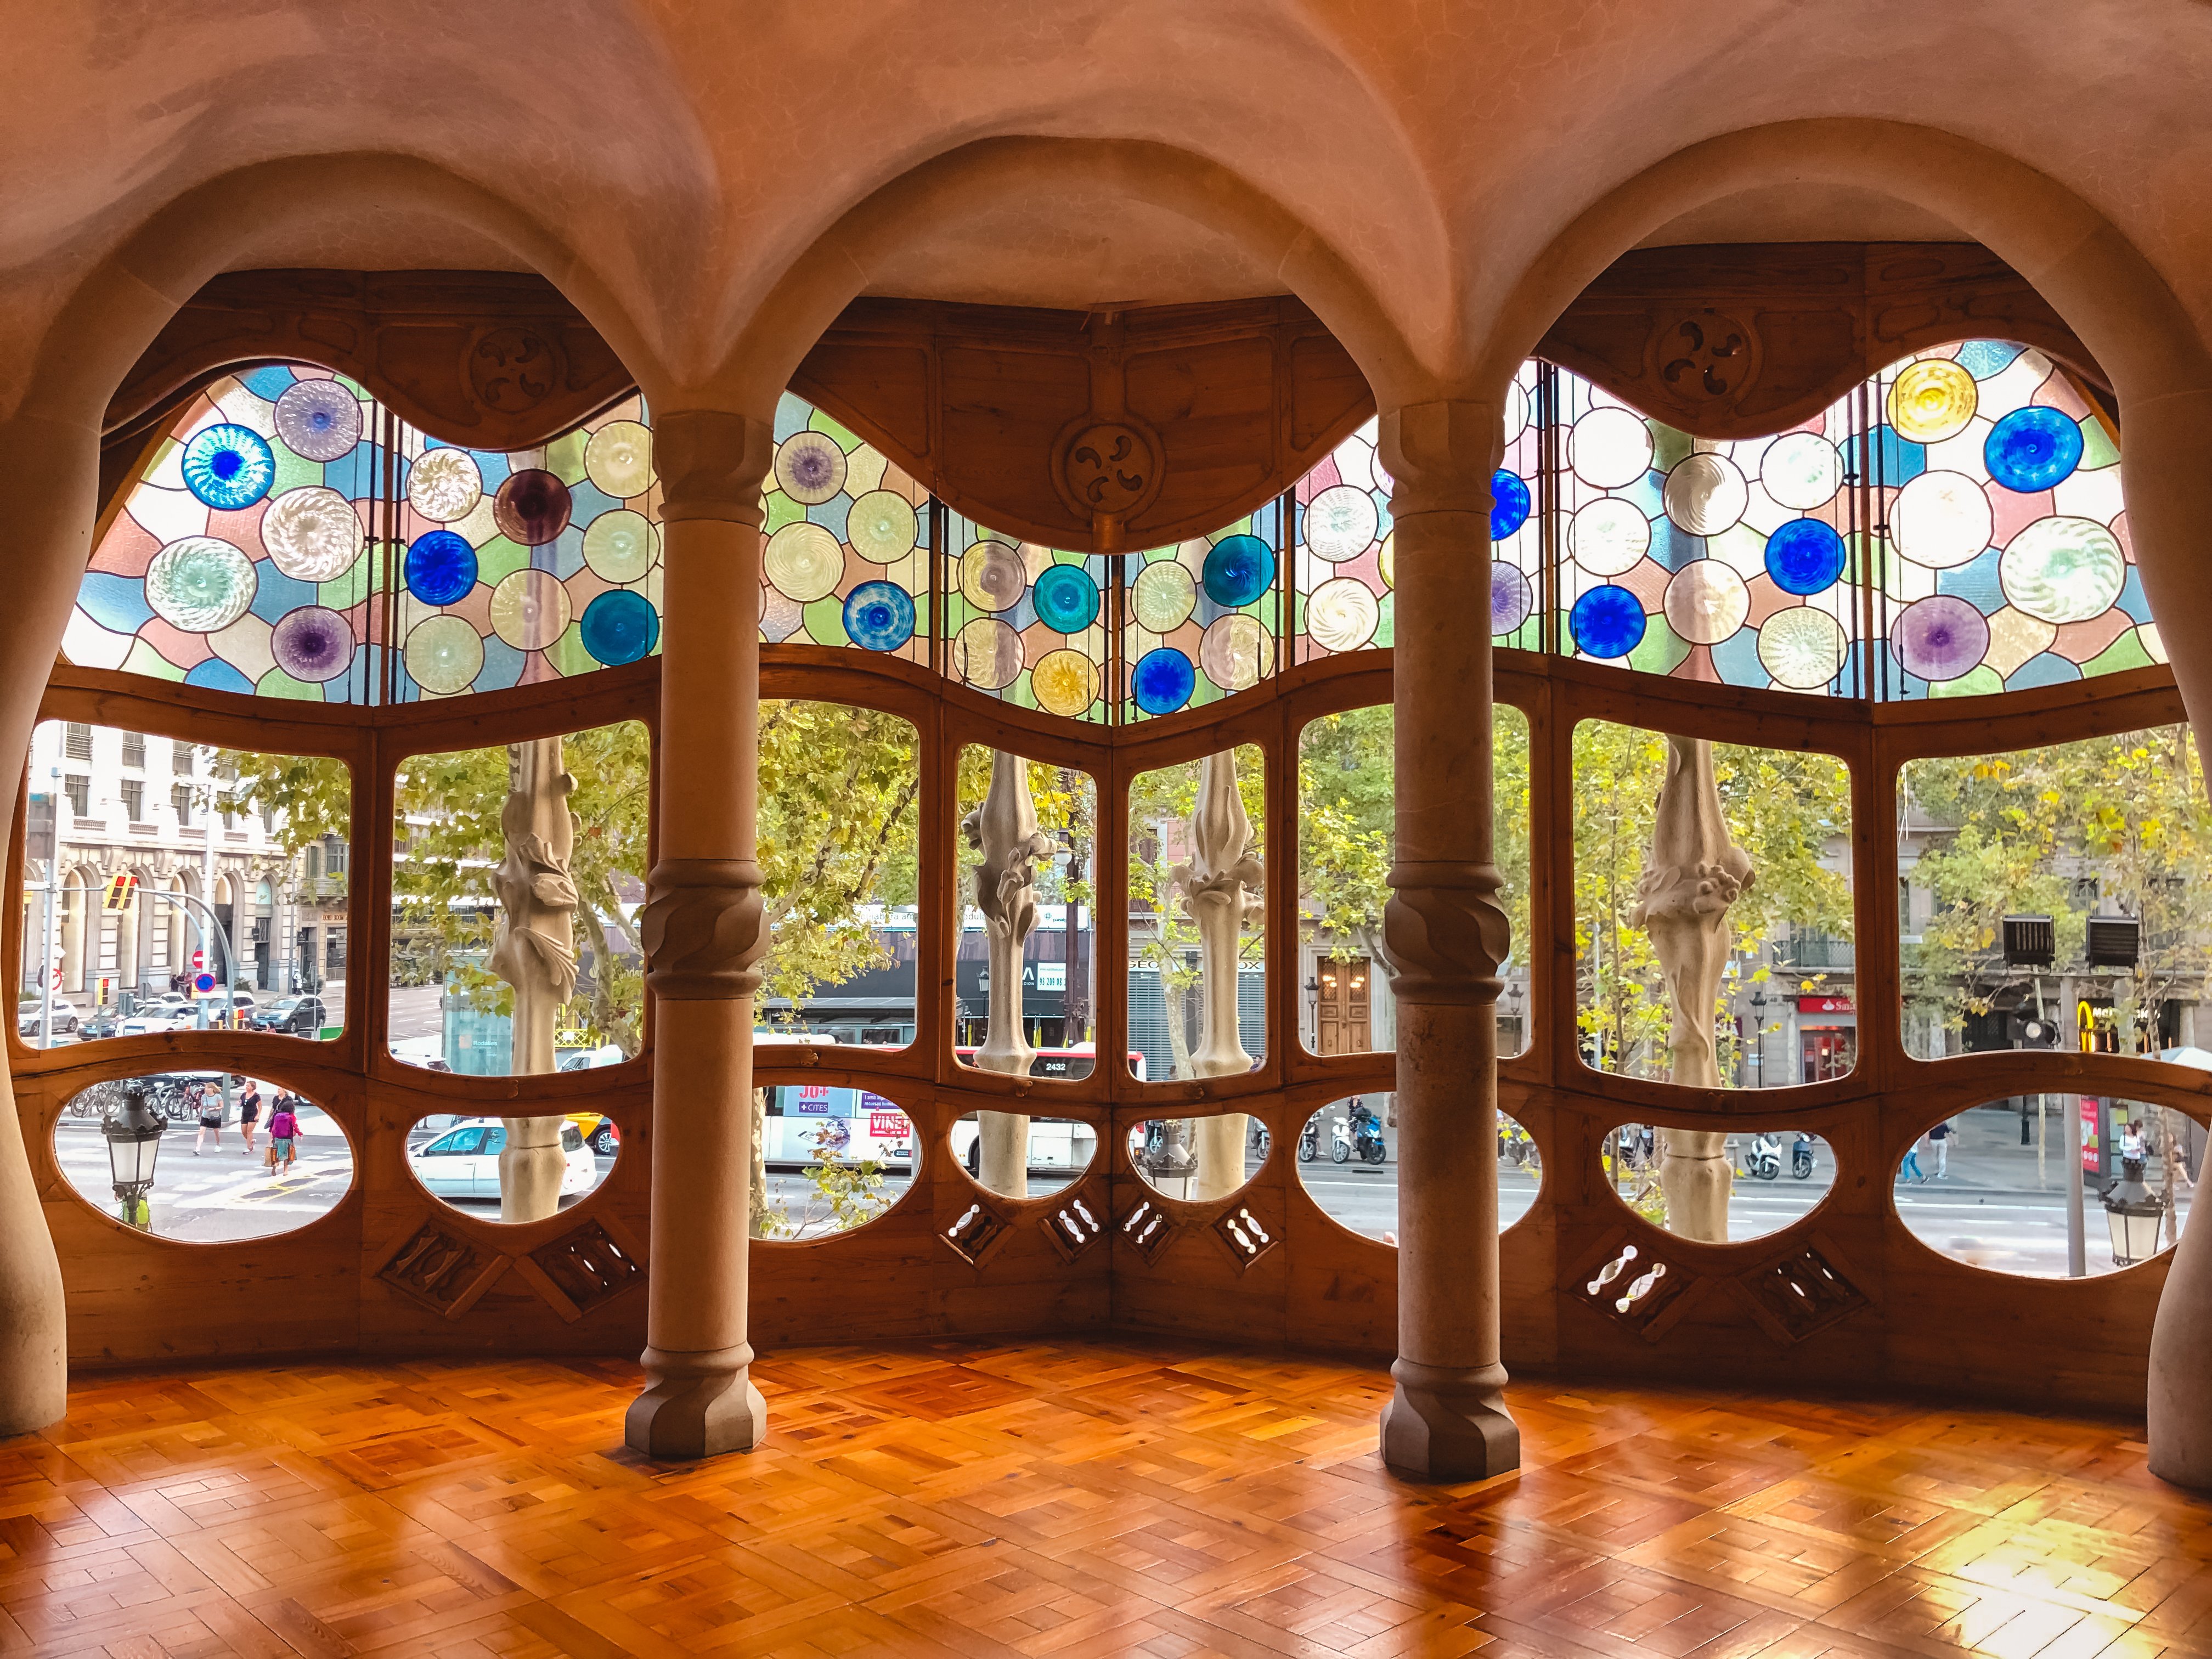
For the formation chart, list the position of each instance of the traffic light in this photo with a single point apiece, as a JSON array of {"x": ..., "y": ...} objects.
[{"x": 121, "y": 890}]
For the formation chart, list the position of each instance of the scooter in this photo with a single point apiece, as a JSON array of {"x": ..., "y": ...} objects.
[
  {"x": 1340, "y": 1141},
  {"x": 1765, "y": 1162},
  {"x": 1309, "y": 1140},
  {"x": 1800, "y": 1157},
  {"x": 1367, "y": 1138},
  {"x": 1257, "y": 1139}
]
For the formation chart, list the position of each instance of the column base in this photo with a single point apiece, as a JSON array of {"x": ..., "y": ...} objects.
[
  {"x": 696, "y": 1405},
  {"x": 1449, "y": 1423}
]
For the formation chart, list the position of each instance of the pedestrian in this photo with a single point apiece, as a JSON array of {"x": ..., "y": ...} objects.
[
  {"x": 1910, "y": 1169},
  {"x": 210, "y": 1118},
  {"x": 1939, "y": 1140},
  {"x": 249, "y": 1113},
  {"x": 283, "y": 1134}
]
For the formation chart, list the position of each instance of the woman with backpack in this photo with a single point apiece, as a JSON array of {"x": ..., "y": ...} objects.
[{"x": 285, "y": 1133}]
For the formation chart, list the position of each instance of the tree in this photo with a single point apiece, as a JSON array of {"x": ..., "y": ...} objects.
[
  {"x": 2056, "y": 831},
  {"x": 1789, "y": 810},
  {"x": 837, "y": 836},
  {"x": 1347, "y": 826}
]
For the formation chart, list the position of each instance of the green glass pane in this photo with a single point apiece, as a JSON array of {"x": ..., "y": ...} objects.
[
  {"x": 825, "y": 622},
  {"x": 2097, "y": 448},
  {"x": 1974, "y": 683},
  {"x": 568, "y": 654},
  {"x": 843, "y": 439},
  {"x": 564, "y": 457},
  {"x": 143, "y": 658},
  {"x": 781, "y": 511},
  {"x": 1661, "y": 649},
  {"x": 500, "y": 557},
  {"x": 278, "y": 683},
  {"x": 349, "y": 590},
  {"x": 2125, "y": 653}
]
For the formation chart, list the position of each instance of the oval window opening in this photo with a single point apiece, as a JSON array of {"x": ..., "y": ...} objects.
[
  {"x": 1019, "y": 1157},
  {"x": 1988, "y": 1187},
  {"x": 1721, "y": 1187},
  {"x": 832, "y": 1158},
  {"x": 1198, "y": 1158},
  {"x": 191, "y": 1155},
  {"x": 1348, "y": 1157},
  {"x": 516, "y": 1169}
]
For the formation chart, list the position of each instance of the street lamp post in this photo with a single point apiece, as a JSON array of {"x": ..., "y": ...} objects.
[
  {"x": 2134, "y": 1215},
  {"x": 133, "y": 1133},
  {"x": 1759, "y": 1036}
]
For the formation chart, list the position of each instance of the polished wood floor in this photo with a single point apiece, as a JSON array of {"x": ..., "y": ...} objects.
[{"x": 1067, "y": 1499}]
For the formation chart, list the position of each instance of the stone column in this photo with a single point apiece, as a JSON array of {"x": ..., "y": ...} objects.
[
  {"x": 1218, "y": 883},
  {"x": 533, "y": 950},
  {"x": 1004, "y": 830},
  {"x": 702, "y": 931},
  {"x": 1695, "y": 873},
  {"x": 1447, "y": 932},
  {"x": 48, "y": 499}
]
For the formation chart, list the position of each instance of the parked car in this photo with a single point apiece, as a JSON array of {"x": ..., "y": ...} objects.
[
  {"x": 590, "y": 1060},
  {"x": 463, "y": 1162},
  {"x": 66, "y": 1018},
  {"x": 302, "y": 1016},
  {"x": 99, "y": 1023},
  {"x": 598, "y": 1131},
  {"x": 161, "y": 1016}
]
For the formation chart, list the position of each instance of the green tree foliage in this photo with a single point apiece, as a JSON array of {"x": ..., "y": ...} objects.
[
  {"x": 1162, "y": 935},
  {"x": 838, "y": 804},
  {"x": 1348, "y": 825},
  {"x": 1789, "y": 811},
  {"x": 2054, "y": 831}
]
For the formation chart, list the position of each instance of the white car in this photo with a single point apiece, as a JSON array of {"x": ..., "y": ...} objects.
[
  {"x": 161, "y": 1016},
  {"x": 464, "y": 1161},
  {"x": 590, "y": 1060}
]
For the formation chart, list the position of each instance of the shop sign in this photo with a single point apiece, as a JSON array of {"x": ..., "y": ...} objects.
[{"x": 1825, "y": 1005}]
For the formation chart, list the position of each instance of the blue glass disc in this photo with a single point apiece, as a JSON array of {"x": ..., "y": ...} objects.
[
  {"x": 1508, "y": 504},
  {"x": 1607, "y": 621},
  {"x": 880, "y": 616},
  {"x": 1066, "y": 597},
  {"x": 620, "y": 626},
  {"x": 2033, "y": 449},
  {"x": 1238, "y": 570},
  {"x": 228, "y": 466},
  {"x": 1164, "y": 678},
  {"x": 1805, "y": 557},
  {"x": 441, "y": 566}
]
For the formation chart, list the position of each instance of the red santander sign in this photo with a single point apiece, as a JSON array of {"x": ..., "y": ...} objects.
[{"x": 1825, "y": 1005}]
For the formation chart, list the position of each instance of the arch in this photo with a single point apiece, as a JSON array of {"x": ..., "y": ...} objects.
[
  {"x": 115, "y": 311},
  {"x": 767, "y": 345}
]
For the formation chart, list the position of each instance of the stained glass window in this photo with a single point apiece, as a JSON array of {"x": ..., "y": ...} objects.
[
  {"x": 847, "y": 557},
  {"x": 273, "y": 546},
  {"x": 1954, "y": 525},
  {"x": 2006, "y": 562}
]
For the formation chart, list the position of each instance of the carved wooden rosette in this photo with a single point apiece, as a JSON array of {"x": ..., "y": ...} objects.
[
  {"x": 1220, "y": 883},
  {"x": 533, "y": 950},
  {"x": 703, "y": 929},
  {"x": 1004, "y": 830},
  {"x": 1695, "y": 873}
]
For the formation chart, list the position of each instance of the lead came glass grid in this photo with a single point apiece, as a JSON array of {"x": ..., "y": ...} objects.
[
  {"x": 845, "y": 559},
  {"x": 2006, "y": 560},
  {"x": 1706, "y": 559},
  {"x": 1024, "y": 623},
  {"x": 1203, "y": 617}
]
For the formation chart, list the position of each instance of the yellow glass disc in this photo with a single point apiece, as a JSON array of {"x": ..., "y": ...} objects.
[
  {"x": 1065, "y": 683},
  {"x": 1932, "y": 400}
]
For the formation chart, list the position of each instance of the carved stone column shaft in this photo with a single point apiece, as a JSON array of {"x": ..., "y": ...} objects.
[
  {"x": 702, "y": 932},
  {"x": 1004, "y": 830},
  {"x": 1448, "y": 934},
  {"x": 533, "y": 950},
  {"x": 1218, "y": 883}
]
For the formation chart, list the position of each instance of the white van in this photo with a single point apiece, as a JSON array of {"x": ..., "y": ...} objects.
[{"x": 1057, "y": 1147}]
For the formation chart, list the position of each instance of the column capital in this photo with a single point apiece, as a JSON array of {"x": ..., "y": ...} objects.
[
  {"x": 703, "y": 928},
  {"x": 711, "y": 462},
  {"x": 1440, "y": 455},
  {"x": 1446, "y": 931}
]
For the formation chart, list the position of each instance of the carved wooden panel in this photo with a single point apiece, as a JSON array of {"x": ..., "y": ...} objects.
[
  {"x": 435, "y": 1268},
  {"x": 1741, "y": 341},
  {"x": 589, "y": 1266}
]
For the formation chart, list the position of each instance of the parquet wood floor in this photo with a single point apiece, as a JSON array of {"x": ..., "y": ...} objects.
[{"x": 1071, "y": 1500}]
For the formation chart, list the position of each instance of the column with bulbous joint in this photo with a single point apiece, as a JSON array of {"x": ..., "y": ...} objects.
[
  {"x": 702, "y": 932},
  {"x": 1448, "y": 935}
]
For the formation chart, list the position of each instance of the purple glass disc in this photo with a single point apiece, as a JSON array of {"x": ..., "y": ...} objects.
[
  {"x": 531, "y": 507},
  {"x": 1510, "y": 598},
  {"x": 312, "y": 644},
  {"x": 1941, "y": 638}
]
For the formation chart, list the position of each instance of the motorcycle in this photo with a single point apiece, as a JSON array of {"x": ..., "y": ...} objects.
[
  {"x": 1257, "y": 1138},
  {"x": 1765, "y": 1161},
  {"x": 1359, "y": 1137},
  {"x": 1309, "y": 1140},
  {"x": 1800, "y": 1157}
]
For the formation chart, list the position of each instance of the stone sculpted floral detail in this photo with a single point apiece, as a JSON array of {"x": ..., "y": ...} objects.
[
  {"x": 1445, "y": 932},
  {"x": 703, "y": 928}
]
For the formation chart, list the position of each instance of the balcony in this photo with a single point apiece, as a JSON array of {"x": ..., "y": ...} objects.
[{"x": 1816, "y": 953}]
